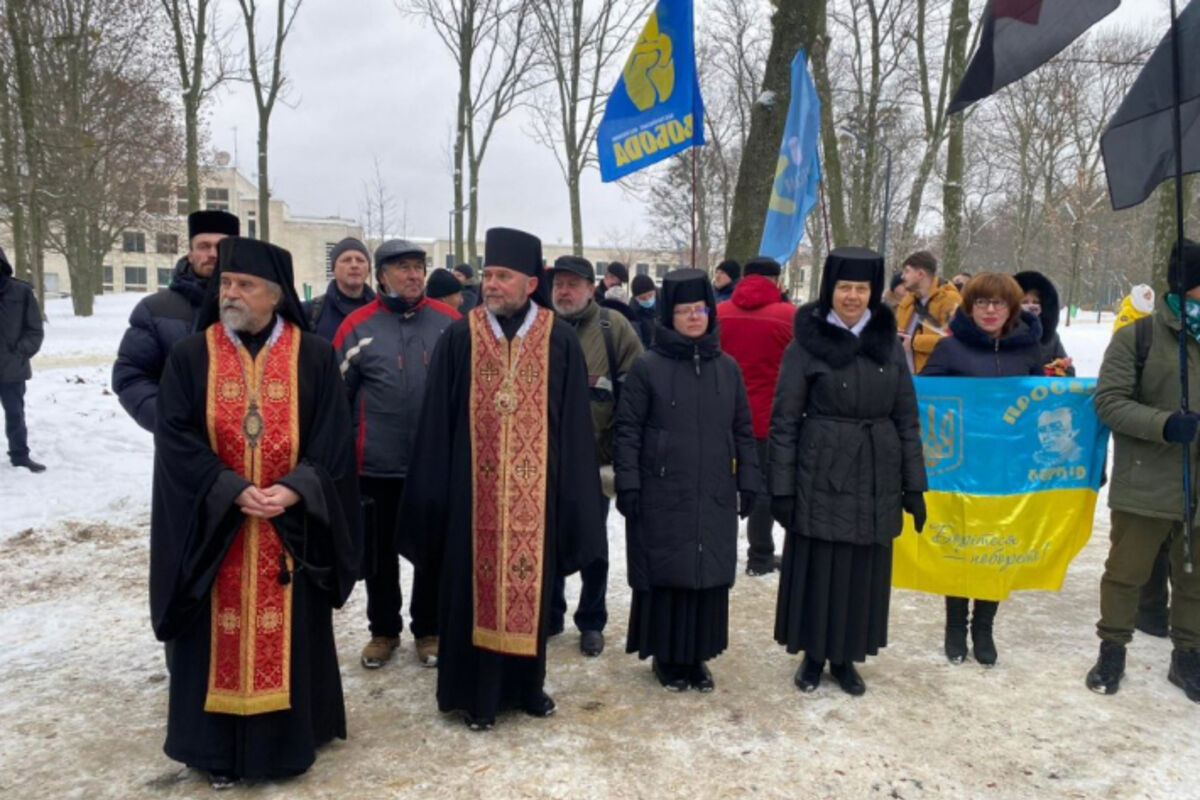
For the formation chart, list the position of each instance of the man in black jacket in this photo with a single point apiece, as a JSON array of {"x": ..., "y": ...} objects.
[
  {"x": 165, "y": 317},
  {"x": 21, "y": 338}
]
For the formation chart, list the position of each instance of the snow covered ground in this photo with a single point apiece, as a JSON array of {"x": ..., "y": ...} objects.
[{"x": 83, "y": 707}]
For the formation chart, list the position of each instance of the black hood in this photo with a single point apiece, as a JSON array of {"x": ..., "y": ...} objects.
[
  {"x": 185, "y": 281},
  {"x": 686, "y": 286},
  {"x": 1027, "y": 331},
  {"x": 264, "y": 260},
  {"x": 1031, "y": 280},
  {"x": 6, "y": 270},
  {"x": 852, "y": 264},
  {"x": 837, "y": 346}
]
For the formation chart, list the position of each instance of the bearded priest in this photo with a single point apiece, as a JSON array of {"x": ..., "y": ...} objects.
[
  {"x": 506, "y": 493},
  {"x": 253, "y": 526}
]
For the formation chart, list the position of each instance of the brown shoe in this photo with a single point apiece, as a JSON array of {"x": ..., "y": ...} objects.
[
  {"x": 379, "y": 650},
  {"x": 427, "y": 651}
]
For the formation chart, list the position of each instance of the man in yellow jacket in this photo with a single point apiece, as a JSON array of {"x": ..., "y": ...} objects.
[{"x": 923, "y": 315}]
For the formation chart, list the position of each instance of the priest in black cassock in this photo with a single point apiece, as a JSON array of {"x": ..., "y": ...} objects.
[
  {"x": 505, "y": 487},
  {"x": 250, "y": 544}
]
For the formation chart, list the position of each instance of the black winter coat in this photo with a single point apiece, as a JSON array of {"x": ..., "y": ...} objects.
[
  {"x": 20, "y": 326},
  {"x": 845, "y": 440},
  {"x": 1052, "y": 346},
  {"x": 684, "y": 440},
  {"x": 156, "y": 324},
  {"x": 972, "y": 353}
]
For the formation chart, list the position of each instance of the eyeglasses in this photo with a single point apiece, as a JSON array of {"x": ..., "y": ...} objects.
[
  {"x": 695, "y": 311},
  {"x": 983, "y": 303}
]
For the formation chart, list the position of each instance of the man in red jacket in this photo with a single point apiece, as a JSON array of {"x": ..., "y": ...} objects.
[{"x": 756, "y": 327}]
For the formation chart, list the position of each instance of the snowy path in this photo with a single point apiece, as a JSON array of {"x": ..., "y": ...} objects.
[{"x": 84, "y": 706}]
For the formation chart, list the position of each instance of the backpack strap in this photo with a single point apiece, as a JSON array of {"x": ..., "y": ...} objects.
[
  {"x": 611, "y": 351},
  {"x": 1143, "y": 337},
  {"x": 315, "y": 307}
]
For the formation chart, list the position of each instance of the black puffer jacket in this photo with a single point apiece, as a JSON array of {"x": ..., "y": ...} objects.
[
  {"x": 20, "y": 326},
  {"x": 156, "y": 324},
  {"x": 845, "y": 440},
  {"x": 684, "y": 440},
  {"x": 969, "y": 352},
  {"x": 1052, "y": 346}
]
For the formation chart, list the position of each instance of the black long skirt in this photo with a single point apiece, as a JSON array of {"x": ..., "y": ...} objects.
[
  {"x": 833, "y": 599},
  {"x": 679, "y": 626}
]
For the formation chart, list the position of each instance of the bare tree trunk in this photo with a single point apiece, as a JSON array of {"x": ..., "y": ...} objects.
[
  {"x": 264, "y": 183},
  {"x": 13, "y": 198},
  {"x": 952, "y": 188},
  {"x": 791, "y": 27},
  {"x": 18, "y": 17},
  {"x": 831, "y": 172},
  {"x": 1165, "y": 232}
]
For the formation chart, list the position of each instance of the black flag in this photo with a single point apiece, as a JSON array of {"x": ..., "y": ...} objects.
[
  {"x": 1138, "y": 149},
  {"x": 1018, "y": 37}
]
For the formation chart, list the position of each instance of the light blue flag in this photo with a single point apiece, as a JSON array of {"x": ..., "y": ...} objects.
[
  {"x": 655, "y": 110},
  {"x": 798, "y": 171}
]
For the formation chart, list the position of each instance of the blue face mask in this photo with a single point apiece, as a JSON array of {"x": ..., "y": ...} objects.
[{"x": 647, "y": 304}]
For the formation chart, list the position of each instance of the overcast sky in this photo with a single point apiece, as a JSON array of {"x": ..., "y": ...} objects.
[{"x": 368, "y": 81}]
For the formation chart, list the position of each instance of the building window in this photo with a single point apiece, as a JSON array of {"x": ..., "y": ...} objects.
[
  {"x": 601, "y": 267},
  {"x": 163, "y": 277},
  {"x": 135, "y": 278},
  {"x": 252, "y": 228},
  {"x": 216, "y": 199},
  {"x": 158, "y": 199},
  {"x": 50, "y": 282},
  {"x": 181, "y": 203},
  {"x": 108, "y": 278},
  {"x": 329, "y": 260},
  {"x": 801, "y": 275},
  {"x": 643, "y": 269},
  {"x": 133, "y": 242},
  {"x": 166, "y": 243},
  {"x": 659, "y": 270}
]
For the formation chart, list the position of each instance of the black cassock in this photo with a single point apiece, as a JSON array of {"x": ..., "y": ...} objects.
[
  {"x": 435, "y": 524},
  {"x": 193, "y": 522}
]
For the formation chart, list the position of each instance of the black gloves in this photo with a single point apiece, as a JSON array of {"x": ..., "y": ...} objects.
[
  {"x": 914, "y": 503},
  {"x": 783, "y": 509},
  {"x": 1181, "y": 427},
  {"x": 629, "y": 503},
  {"x": 746, "y": 503}
]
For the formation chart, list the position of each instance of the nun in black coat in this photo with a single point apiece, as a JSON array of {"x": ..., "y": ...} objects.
[
  {"x": 685, "y": 461},
  {"x": 845, "y": 463}
]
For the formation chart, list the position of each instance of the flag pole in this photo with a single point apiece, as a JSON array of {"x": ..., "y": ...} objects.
[
  {"x": 1179, "y": 289},
  {"x": 694, "y": 206}
]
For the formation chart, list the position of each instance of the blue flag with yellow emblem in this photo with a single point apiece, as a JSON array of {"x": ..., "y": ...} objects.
[
  {"x": 1014, "y": 468},
  {"x": 798, "y": 170},
  {"x": 655, "y": 110}
]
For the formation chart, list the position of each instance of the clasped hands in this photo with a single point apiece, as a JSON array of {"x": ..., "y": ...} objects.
[{"x": 266, "y": 503}]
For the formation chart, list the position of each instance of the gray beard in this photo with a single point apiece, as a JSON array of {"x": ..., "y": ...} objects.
[{"x": 241, "y": 321}]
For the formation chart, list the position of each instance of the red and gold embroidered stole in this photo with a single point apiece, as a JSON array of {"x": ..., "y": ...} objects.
[
  {"x": 253, "y": 420},
  {"x": 509, "y": 391}
]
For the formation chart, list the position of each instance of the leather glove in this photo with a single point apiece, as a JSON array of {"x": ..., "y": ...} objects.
[
  {"x": 914, "y": 503},
  {"x": 1181, "y": 427},
  {"x": 746, "y": 503},
  {"x": 783, "y": 509},
  {"x": 629, "y": 503}
]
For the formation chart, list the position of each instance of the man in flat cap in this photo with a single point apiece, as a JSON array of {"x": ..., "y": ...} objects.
[
  {"x": 251, "y": 543},
  {"x": 507, "y": 493},
  {"x": 165, "y": 317}
]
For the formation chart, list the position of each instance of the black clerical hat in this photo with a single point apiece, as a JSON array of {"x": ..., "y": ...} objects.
[
  {"x": 517, "y": 250},
  {"x": 213, "y": 222},
  {"x": 686, "y": 286},
  {"x": 852, "y": 264},
  {"x": 261, "y": 259}
]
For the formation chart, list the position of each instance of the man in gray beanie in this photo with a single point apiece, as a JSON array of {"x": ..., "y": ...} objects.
[{"x": 349, "y": 290}]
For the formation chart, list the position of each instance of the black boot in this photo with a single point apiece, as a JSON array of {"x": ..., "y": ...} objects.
[
  {"x": 1185, "y": 672},
  {"x": 1105, "y": 677},
  {"x": 28, "y": 463},
  {"x": 981, "y": 632},
  {"x": 848, "y": 678},
  {"x": 700, "y": 678},
  {"x": 956, "y": 629},
  {"x": 671, "y": 676},
  {"x": 808, "y": 677}
]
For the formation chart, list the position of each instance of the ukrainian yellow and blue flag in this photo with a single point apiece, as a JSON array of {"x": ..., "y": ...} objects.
[{"x": 1014, "y": 468}]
